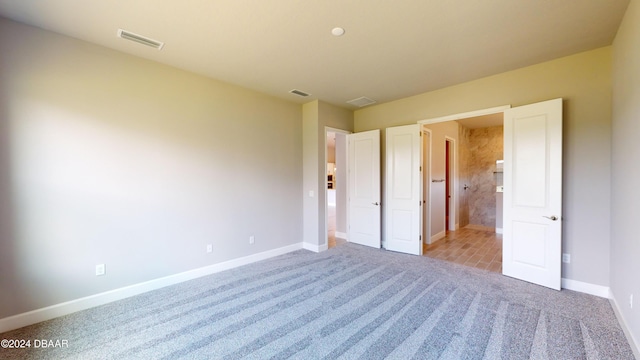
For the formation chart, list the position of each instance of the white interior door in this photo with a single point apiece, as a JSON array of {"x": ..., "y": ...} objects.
[
  {"x": 403, "y": 186},
  {"x": 532, "y": 240},
  {"x": 364, "y": 188}
]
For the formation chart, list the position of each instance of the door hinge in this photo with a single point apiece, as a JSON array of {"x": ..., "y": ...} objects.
[
  {"x": 420, "y": 168},
  {"x": 420, "y": 237},
  {"x": 420, "y": 132}
]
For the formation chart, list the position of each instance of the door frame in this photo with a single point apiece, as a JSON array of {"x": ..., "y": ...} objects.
[
  {"x": 458, "y": 116},
  {"x": 452, "y": 179},
  {"x": 464, "y": 115},
  {"x": 427, "y": 151},
  {"x": 325, "y": 228}
]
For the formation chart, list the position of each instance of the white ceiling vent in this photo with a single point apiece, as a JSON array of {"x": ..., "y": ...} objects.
[
  {"x": 140, "y": 39},
  {"x": 299, "y": 93},
  {"x": 361, "y": 101}
]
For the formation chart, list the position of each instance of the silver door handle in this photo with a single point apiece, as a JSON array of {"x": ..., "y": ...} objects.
[
  {"x": 552, "y": 217},
  {"x": 375, "y": 203}
]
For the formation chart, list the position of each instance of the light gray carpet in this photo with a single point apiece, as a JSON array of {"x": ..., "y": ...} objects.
[{"x": 349, "y": 302}]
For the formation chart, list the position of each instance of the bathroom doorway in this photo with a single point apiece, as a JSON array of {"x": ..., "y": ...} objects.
[{"x": 470, "y": 148}]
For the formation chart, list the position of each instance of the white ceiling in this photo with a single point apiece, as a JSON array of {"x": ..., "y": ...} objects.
[{"x": 390, "y": 49}]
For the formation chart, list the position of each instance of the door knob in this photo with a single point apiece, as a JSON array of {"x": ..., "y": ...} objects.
[
  {"x": 552, "y": 217},
  {"x": 375, "y": 203}
]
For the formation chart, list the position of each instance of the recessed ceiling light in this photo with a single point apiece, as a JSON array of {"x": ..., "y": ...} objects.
[{"x": 337, "y": 31}]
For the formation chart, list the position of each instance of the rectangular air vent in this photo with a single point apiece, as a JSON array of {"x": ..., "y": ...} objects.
[
  {"x": 140, "y": 39},
  {"x": 361, "y": 101},
  {"x": 299, "y": 93}
]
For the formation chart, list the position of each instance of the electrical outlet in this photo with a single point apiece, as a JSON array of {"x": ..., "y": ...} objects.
[
  {"x": 566, "y": 258},
  {"x": 209, "y": 248},
  {"x": 101, "y": 269},
  {"x": 631, "y": 301},
  {"x": 252, "y": 239}
]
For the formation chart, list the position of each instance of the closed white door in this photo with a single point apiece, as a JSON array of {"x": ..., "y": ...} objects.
[
  {"x": 403, "y": 187},
  {"x": 364, "y": 188},
  {"x": 532, "y": 239}
]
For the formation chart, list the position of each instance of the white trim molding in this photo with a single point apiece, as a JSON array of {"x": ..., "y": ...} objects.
[
  {"x": 469, "y": 114},
  {"x": 315, "y": 248},
  {"x": 438, "y": 236},
  {"x": 583, "y": 287},
  {"x": 635, "y": 345},
  {"x": 54, "y": 311},
  {"x": 341, "y": 235}
]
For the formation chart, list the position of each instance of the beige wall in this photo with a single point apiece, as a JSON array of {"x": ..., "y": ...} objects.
[
  {"x": 312, "y": 143},
  {"x": 108, "y": 158},
  {"x": 584, "y": 82},
  {"x": 317, "y": 117},
  {"x": 625, "y": 176},
  {"x": 331, "y": 149}
]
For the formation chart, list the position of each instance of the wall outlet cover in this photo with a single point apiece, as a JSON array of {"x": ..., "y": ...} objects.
[{"x": 101, "y": 269}]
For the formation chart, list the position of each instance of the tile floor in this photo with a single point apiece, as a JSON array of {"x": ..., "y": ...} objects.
[
  {"x": 478, "y": 248},
  {"x": 472, "y": 247}
]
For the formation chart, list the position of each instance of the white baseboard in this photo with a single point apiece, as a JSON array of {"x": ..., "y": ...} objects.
[
  {"x": 438, "y": 236},
  {"x": 341, "y": 235},
  {"x": 591, "y": 289},
  {"x": 499, "y": 231},
  {"x": 53, "y": 311},
  {"x": 635, "y": 345},
  {"x": 315, "y": 248},
  {"x": 480, "y": 227}
]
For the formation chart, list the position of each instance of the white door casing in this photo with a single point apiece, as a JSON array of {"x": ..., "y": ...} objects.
[
  {"x": 364, "y": 188},
  {"x": 532, "y": 239},
  {"x": 426, "y": 186},
  {"x": 452, "y": 183},
  {"x": 403, "y": 189}
]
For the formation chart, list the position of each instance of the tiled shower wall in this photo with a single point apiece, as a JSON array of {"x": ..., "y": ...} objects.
[
  {"x": 464, "y": 158},
  {"x": 485, "y": 147}
]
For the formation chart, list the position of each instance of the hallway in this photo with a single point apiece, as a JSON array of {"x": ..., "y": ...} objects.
[{"x": 332, "y": 241}]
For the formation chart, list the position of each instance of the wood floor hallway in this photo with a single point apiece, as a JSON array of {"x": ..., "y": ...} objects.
[{"x": 481, "y": 249}]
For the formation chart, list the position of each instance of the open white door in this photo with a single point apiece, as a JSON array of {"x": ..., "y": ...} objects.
[
  {"x": 403, "y": 190},
  {"x": 532, "y": 240},
  {"x": 364, "y": 188}
]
